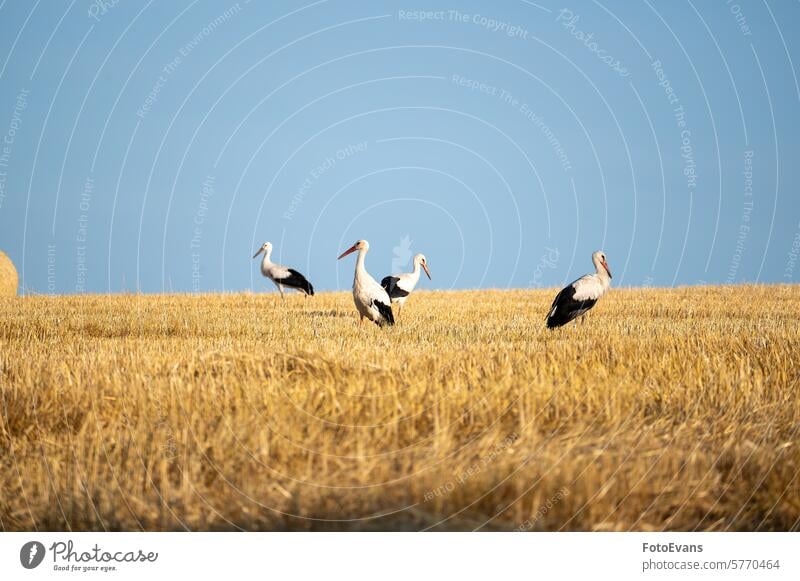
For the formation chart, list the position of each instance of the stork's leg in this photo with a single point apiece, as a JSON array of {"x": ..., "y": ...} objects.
[{"x": 280, "y": 288}]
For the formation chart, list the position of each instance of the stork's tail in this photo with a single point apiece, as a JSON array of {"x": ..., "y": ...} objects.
[{"x": 298, "y": 281}]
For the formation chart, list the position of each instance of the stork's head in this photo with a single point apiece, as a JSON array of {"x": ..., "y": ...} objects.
[
  {"x": 360, "y": 245},
  {"x": 599, "y": 260},
  {"x": 420, "y": 259},
  {"x": 266, "y": 248}
]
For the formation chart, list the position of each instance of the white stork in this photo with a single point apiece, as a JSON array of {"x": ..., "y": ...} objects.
[
  {"x": 580, "y": 296},
  {"x": 281, "y": 275},
  {"x": 371, "y": 300},
  {"x": 399, "y": 286}
]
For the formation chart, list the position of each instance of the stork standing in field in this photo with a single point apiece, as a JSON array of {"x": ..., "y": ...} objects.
[
  {"x": 280, "y": 275},
  {"x": 372, "y": 301},
  {"x": 580, "y": 296},
  {"x": 399, "y": 286}
]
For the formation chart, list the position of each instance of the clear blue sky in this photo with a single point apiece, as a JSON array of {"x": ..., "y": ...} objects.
[{"x": 155, "y": 146}]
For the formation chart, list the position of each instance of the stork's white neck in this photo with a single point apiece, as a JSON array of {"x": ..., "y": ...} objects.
[
  {"x": 416, "y": 272},
  {"x": 267, "y": 260},
  {"x": 361, "y": 269},
  {"x": 602, "y": 274}
]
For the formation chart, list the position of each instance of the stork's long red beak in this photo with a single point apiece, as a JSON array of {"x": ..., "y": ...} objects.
[
  {"x": 260, "y": 250},
  {"x": 425, "y": 268},
  {"x": 608, "y": 270},
  {"x": 346, "y": 252}
]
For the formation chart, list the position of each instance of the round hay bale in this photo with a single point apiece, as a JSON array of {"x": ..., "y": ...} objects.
[{"x": 8, "y": 276}]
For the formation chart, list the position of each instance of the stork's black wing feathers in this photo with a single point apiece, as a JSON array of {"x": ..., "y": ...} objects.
[
  {"x": 385, "y": 311},
  {"x": 389, "y": 283},
  {"x": 298, "y": 281},
  {"x": 565, "y": 307}
]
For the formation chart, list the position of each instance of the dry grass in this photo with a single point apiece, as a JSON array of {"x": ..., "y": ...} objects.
[
  {"x": 669, "y": 409},
  {"x": 8, "y": 276}
]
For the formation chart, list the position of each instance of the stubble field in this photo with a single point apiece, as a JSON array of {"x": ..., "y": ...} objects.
[{"x": 666, "y": 410}]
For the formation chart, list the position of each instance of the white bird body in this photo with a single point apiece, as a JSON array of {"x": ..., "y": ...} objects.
[
  {"x": 577, "y": 298},
  {"x": 272, "y": 270},
  {"x": 591, "y": 287},
  {"x": 282, "y": 276},
  {"x": 400, "y": 286},
  {"x": 371, "y": 300}
]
